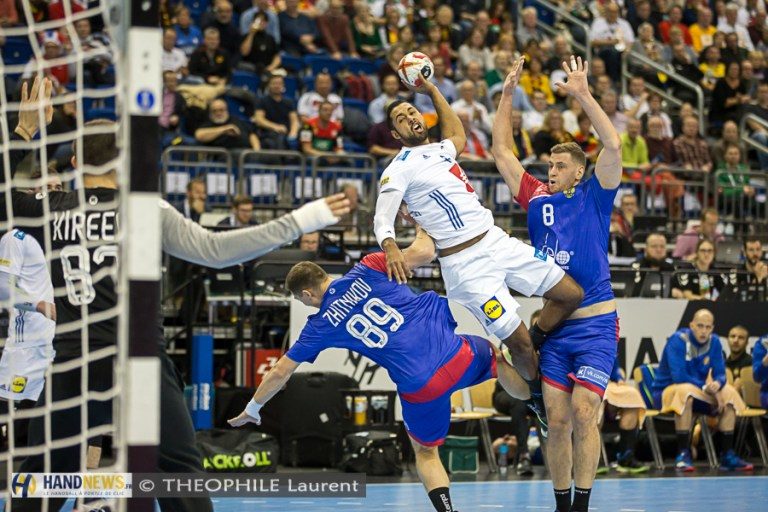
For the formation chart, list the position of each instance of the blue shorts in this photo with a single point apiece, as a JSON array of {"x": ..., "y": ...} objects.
[
  {"x": 427, "y": 412},
  {"x": 581, "y": 351}
]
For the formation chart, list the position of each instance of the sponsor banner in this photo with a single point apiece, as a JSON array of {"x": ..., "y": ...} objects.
[{"x": 71, "y": 485}]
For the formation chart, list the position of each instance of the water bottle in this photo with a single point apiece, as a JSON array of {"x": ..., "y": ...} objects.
[{"x": 503, "y": 458}]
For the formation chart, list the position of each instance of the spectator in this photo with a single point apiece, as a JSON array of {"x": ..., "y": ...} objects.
[
  {"x": 259, "y": 48},
  {"x": 586, "y": 139},
  {"x": 646, "y": 42},
  {"x": 609, "y": 101},
  {"x": 477, "y": 142},
  {"x": 389, "y": 93},
  {"x": 389, "y": 31},
  {"x": 450, "y": 32},
  {"x": 603, "y": 85},
  {"x": 273, "y": 23},
  {"x": 174, "y": 110},
  {"x": 641, "y": 16},
  {"x": 521, "y": 139},
  {"x": 423, "y": 102},
  {"x": 622, "y": 223},
  {"x": 367, "y": 37},
  {"x": 674, "y": 20},
  {"x": 474, "y": 73},
  {"x": 474, "y": 50},
  {"x": 96, "y": 68},
  {"x": 660, "y": 148},
  {"x": 502, "y": 61},
  {"x": 682, "y": 385},
  {"x": 173, "y": 59},
  {"x": 712, "y": 67},
  {"x": 533, "y": 79},
  {"x": 528, "y": 28},
  {"x": 739, "y": 358},
  {"x": 406, "y": 37},
  {"x": 685, "y": 66},
  {"x": 655, "y": 254},
  {"x": 166, "y": 12},
  {"x": 760, "y": 368},
  {"x": 298, "y": 32},
  {"x": 561, "y": 52},
  {"x": 729, "y": 137},
  {"x": 435, "y": 48},
  {"x": 519, "y": 419},
  {"x": 9, "y": 16},
  {"x": 758, "y": 131},
  {"x": 698, "y": 280},
  {"x": 222, "y": 130},
  {"x": 702, "y": 32},
  {"x": 381, "y": 144},
  {"x": 309, "y": 102},
  {"x": 749, "y": 79},
  {"x": 687, "y": 242},
  {"x": 550, "y": 134},
  {"x": 394, "y": 54},
  {"x": 534, "y": 118},
  {"x": 310, "y": 242},
  {"x": 730, "y": 24},
  {"x": 655, "y": 109},
  {"x": 276, "y": 117},
  {"x": 691, "y": 149},
  {"x": 210, "y": 61},
  {"x": 222, "y": 21},
  {"x": 732, "y": 51},
  {"x": 195, "y": 203},
  {"x": 336, "y": 32},
  {"x": 611, "y": 36},
  {"x": 242, "y": 213},
  {"x": 468, "y": 103},
  {"x": 729, "y": 94},
  {"x": 623, "y": 402},
  {"x": 635, "y": 102},
  {"x": 571, "y": 115},
  {"x": 634, "y": 152},
  {"x": 52, "y": 50},
  {"x": 423, "y": 14},
  {"x": 751, "y": 281},
  {"x": 322, "y": 134},
  {"x": 188, "y": 35}
]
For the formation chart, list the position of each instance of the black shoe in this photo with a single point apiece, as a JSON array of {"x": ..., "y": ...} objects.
[
  {"x": 524, "y": 467},
  {"x": 536, "y": 405}
]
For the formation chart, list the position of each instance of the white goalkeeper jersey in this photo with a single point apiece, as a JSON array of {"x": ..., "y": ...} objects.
[
  {"x": 438, "y": 193},
  {"x": 22, "y": 257}
]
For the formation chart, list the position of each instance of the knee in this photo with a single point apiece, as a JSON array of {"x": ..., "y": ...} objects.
[
  {"x": 424, "y": 452},
  {"x": 558, "y": 422},
  {"x": 585, "y": 415}
]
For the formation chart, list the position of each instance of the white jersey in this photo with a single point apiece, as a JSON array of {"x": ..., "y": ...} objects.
[
  {"x": 22, "y": 257},
  {"x": 438, "y": 193}
]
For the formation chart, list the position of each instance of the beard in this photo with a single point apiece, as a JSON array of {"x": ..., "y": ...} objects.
[{"x": 414, "y": 139}]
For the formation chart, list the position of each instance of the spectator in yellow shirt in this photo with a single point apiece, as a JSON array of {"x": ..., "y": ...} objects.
[
  {"x": 534, "y": 79},
  {"x": 702, "y": 32}
]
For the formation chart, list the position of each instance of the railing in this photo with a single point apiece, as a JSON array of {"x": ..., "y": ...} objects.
[
  {"x": 745, "y": 135},
  {"x": 565, "y": 15},
  {"x": 726, "y": 283},
  {"x": 273, "y": 179},
  {"x": 681, "y": 192},
  {"x": 180, "y": 164},
  {"x": 740, "y": 196},
  {"x": 673, "y": 76}
]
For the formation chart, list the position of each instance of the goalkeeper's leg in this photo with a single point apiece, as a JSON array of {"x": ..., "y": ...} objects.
[{"x": 178, "y": 451}]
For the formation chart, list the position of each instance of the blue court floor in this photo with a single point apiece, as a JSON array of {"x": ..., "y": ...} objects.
[{"x": 676, "y": 494}]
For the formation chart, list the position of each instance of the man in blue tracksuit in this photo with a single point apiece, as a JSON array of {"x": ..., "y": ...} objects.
[
  {"x": 683, "y": 386},
  {"x": 760, "y": 368}
]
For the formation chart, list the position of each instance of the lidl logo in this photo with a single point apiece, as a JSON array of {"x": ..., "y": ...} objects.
[
  {"x": 18, "y": 384},
  {"x": 23, "y": 485},
  {"x": 493, "y": 309}
]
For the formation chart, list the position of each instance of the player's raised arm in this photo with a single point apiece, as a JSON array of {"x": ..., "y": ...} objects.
[
  {"x": 387, "y": 206},
  {"x": 608, "y": 167},
  {"x": 507, "y": 163},
  {"x": 450, "y": 124}
]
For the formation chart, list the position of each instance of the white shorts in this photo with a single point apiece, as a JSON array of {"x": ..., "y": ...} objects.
[
  {"x": 22, "y": 371},
  {"x": 480, "y": 276}
]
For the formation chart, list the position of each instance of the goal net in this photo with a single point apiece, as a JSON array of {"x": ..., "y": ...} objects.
[{"x": 75, "y": 425}]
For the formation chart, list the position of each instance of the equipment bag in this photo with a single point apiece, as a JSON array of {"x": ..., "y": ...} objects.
[
  {"x": 237, "y": 451},
  {"x": 459, "y": 454},
  {"x": 373, "y": 453}
]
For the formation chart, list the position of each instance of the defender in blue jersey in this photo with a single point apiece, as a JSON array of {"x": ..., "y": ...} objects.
[
  {"x": 569, "y": 220},
  {"x": 412, "y": 336}
]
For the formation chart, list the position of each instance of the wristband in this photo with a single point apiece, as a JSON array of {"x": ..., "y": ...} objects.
[
  {"x": 314, "y": 215},
  {"x": 253, "y": 408}
]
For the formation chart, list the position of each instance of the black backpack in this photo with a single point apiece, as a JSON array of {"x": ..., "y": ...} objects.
[{"x": 373, "y": 453}]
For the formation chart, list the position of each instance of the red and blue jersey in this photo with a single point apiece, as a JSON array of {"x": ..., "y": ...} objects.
[
  {"x": 573, "y": 228},
  {"x": 410, "y": 335}
]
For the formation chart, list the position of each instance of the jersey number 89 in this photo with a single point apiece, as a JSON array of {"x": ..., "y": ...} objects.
[{"x": 376, "y": 312}]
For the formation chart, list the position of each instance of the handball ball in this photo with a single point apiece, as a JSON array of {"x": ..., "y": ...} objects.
[{"x": 411, "y": 65}]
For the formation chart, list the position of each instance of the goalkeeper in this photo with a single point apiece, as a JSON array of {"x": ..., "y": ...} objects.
[{"x": 85, "y": 270}]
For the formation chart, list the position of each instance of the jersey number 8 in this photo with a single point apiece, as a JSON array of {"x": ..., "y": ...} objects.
[
  {"x": 548, "y": 214},
  {"x": 80, "y": 290},
  {"x": 376, "y": 312}
]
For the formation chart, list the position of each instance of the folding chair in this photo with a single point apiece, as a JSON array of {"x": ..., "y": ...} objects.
[
  {"x": 754, "y": 414},
  {"x": 463, "y": 399}
]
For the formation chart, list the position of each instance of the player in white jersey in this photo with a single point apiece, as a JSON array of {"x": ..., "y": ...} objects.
[
  {"x": 26, "y": 284},
  {"x": 479, "y": 261}
]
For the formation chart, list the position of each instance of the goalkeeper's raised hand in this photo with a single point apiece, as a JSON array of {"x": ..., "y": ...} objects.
[{"x": 32, "y": 100}]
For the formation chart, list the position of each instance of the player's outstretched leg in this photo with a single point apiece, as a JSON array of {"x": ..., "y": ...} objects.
[{"x": 433, "y": 476}]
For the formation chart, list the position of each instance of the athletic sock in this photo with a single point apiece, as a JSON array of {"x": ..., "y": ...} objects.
[
  {"x": 538, "y": 336},
  {"x": 580, "y": 500},
  {"x": 535, "y": 386},
  {"x": 441, "y": 499},
  {"x": 683, "y": 440},
  {"x": 563, "y": 500},
  {"x": 627, "y": 440},
  {"x": 727, "y": 441}
]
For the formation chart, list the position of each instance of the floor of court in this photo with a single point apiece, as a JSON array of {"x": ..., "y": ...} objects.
[{"x": 624, "y": 494}]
